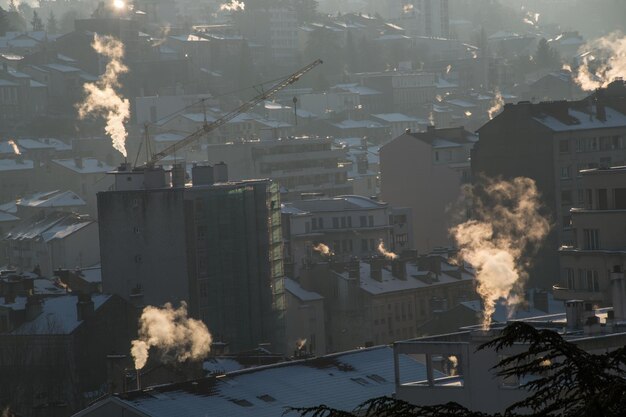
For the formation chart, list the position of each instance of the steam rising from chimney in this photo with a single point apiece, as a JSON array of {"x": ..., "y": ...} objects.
[
  {"x": 102, "y": 97},
  {"x": 233, "y": 6},
  {"x": 170, "y": 330},
  {"x": 323, "y": 249},
  {"x": 300, "y": 343},
  {"x": 505, "y": 229},
  {"x": 611, "y": 50},
  {"x": 387, "y": 254},
  {"x": 498, "y": 104},
  {"x": 16, "y": 149},
  {"x": 448, "y": 69}
]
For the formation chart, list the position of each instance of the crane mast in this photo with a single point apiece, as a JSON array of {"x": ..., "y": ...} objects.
[{"x": 209, "y": 127}]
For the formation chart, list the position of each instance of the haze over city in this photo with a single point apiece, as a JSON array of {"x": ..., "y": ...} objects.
[{"x": 312, "y": 208}]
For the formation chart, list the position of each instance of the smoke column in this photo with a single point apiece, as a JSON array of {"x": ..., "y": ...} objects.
[
  {"x": 102, "y": 97},
  {"x": 498, "y": 104},
  {"x": 173, "y": 333},
  {"x": 323, "y": 249},
  {"x": 16, "y": 149},
  {"x": 387, "y": 254},
  {"x": 611, "y": 52},
  {"x": 233, "y": 5},
  {"x": 505, "y": 229}
]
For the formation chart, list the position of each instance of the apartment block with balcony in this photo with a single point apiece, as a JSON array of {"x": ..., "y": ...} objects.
[{"x": 599, "y": 245}]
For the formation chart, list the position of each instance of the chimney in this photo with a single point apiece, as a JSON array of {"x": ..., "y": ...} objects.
[
  {"x": 220, "y": 172},
  {"x": 354, "y": 268},
  {"x": 84, "y": 307},
  {"x": 178, "y": 175},
  {"x": 574, "y": 314},
  {"x": 202, "y": 175},
  {"x": 618, "y": 291},
  {"x": 398, "y": 268},
  {"x": 376, "y": 269},
  {"x": 78, "y": 162},
  {"x": 33, "y": 307}
]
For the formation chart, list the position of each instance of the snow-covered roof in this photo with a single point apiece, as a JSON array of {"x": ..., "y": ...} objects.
[
  {"x": 50, "y": 199},
  {"x": 341, "y": 381},
  {"x": 295, "y": 289},
  {"x": 58, "y": 316},
  {"x": 336, "y": 204},
  {"x": 584, "y": 121},
  {"x": 416, "y": 279},
  {"x": 439, "y": 143},
  {"x": 58, "y": 225},
  {"x": 357, "y": 124},
  {"x": 7, "y": 217},
  {"x": 62, "y": 68},
  {"x": 398, "y": 117},
  {"x": 15, "y": 164},
  {"x": 85, "y": 166},
  {"x": 44, "y": 143}
]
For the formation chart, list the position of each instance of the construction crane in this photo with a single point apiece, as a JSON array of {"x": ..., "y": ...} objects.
[{"x": 209, "y": 127}]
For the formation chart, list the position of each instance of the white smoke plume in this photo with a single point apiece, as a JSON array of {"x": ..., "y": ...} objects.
[
  {"x": 531, "y": 18},
  {"x": 566, "y": 67},
  {"x": 323, "y": 249},
  {"x": 607, "y": 65},
  {"x": 165, "y": 32},
  {"x": 300, "y": 344},
  {"x": 497, "y": 242},
  {"x": 407, "y": 8},
  {"x": 468, "y": 113},
  {"x": 454, "y": 364},
  {"x": 387, "y": 254},
  {"x": 175, "y": 335},
  {"x": 233, "y": 5},
  {"x": 102, "y": 97},
  {"x": 448, "y": 69},
  {"x": 16, "y": 149},
  {"x": 497, "y": 105}
]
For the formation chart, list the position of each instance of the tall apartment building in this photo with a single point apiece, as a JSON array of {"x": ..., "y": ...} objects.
[
  {"x": 425, "y": 171},
  {"x": 551, "y": 142},
  {"x": 429, "y": 18},
  {"x": 599, "y": 249},
  {"x": 215, "y": 245}
]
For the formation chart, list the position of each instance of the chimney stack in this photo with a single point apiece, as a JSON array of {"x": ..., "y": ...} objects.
[
  {"x": 354, "y": 268},
  {"x": 220, "y": 172},
  {"x": 618, "y": 291},
  {"x": 78, "y": 162},
  {"x": 574, "y": 314},
  {"x": 33, "y": 307},
  {"x": 178, "y": 175},
  {"x": 202, "y": 175},
  {"x": 84, "y": 307},
  {"x": 398, "y": 269},
  {"x": 376, "y": 269}
]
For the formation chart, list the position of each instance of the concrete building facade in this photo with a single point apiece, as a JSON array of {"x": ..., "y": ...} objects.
[
  {"x": 412, "y": 164},
  {"x": 216, "y": 246}
]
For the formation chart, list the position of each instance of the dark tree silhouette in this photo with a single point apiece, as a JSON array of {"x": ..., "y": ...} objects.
[
  {"x": 563, "y": 380},
  {"x": 36, "y": 22}
]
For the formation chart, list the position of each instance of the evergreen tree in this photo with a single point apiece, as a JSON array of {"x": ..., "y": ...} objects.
[
  {"x": 546, "y": 57},
  {"x": 52, "y": 26},
  {"x": 36, "y": 22}
]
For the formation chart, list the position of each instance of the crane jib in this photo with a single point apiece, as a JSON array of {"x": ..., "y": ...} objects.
[{"x": 209, "y": 127}]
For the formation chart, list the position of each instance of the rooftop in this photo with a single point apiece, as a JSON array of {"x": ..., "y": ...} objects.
[
  {"x": 295, "y": 289},
  {"x": 84, "y": 165},
  {"x": 340, "y": 203},
  {"x": 341, "y": 381}
]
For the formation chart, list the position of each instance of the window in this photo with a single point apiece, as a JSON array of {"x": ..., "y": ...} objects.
[
  {"x": 363, "y": 221},
  {"x": 566, "y": 172},
  {"x": 349, "y": 219},
  {"x": 569, "y": 277},
  {"x": 603, "y": 203},
  {"x": 591, "y": 239},
  {"x": 314, "y": 223},
  {"x": 335, "y": 222},
  {"x": 343, "y": 222},
  {"x": 620, "y": 198},
  {"x": 320, "y": 223},
  {"x": 370, "y": 221},
  {"x": 564, "y": 146},
  {"x": 566, "y": 197},
  {"x": 364, "y": 247}
]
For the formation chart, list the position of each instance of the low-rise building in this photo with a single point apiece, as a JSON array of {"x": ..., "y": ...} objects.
[
  {"x": 304, "y": 321},
  {"x": 348, "y": 225},
  {"x": 57, "y": 240},
  {"x": 55, "y": 350}
]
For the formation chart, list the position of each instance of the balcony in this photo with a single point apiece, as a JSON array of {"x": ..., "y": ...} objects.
[{"x": 564, "y": 294}]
